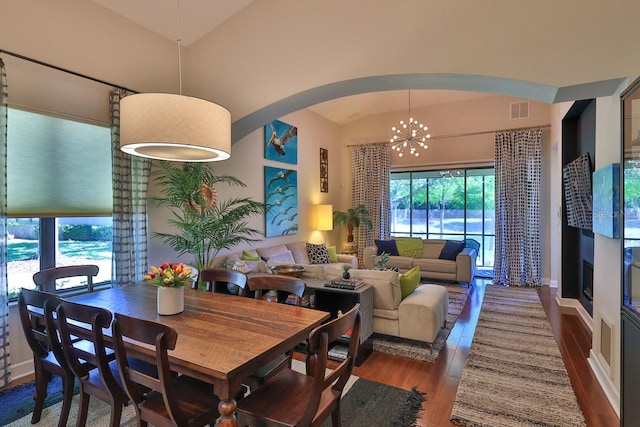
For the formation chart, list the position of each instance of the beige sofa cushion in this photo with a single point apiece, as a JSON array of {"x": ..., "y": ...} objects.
[
  {"x": 386, "y": 287},
  {"x": 299, "y": 251},
  {"x": 436, "y": 265},
  {"x": 422, "y": 314},
  {"x": 432, "y": 248},
  {"x": 271, "y": 250},
  {"x": 403, "y": 262}
]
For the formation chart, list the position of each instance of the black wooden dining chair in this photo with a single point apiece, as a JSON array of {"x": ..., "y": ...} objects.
[
  {"x": 294, "y": 399},
  {"x": 46, "y": 279},
  {"x": 218, "y": 280},
  {"x": 165, "y": 399},
  {"x": 88, "y": 323},
  {"x": 35, "y": 309},
  {"x": 259, "y": 284}
]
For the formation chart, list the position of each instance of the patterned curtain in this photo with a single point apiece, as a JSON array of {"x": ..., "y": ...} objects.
[
  {"x": 130, "y": 182},
  {"x": 517, "y": 252},
  {"x": 370, "y": 169},
  {"x": 5, "y": 373}
]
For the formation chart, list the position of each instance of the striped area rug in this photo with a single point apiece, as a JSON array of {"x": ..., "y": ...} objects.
[{"x": 514, "y": 375}]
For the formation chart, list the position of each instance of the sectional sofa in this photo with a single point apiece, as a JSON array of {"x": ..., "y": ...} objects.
[
  {"x": 290, "y": 253},
  {"x": 418, "y": 316},
  {"x": 437, "y": 260}
]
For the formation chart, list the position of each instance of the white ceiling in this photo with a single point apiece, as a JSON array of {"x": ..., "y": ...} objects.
[{"x": 199, "y": 17}]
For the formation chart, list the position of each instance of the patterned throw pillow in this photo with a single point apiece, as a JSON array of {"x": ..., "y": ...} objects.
[{"x": 318, "y": 254}]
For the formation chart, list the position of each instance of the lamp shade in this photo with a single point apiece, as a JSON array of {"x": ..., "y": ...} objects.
[
  {"x": 324, "y": 217},
  {"x": 174, "y": 127}
]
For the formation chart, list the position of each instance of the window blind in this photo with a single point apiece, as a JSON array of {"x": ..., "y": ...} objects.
[{"x": 57, "y": 167}]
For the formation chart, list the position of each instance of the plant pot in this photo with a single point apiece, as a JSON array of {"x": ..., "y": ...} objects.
[
  {"x": 170, "y": 300},
  {"x": 346, "y": 275}
]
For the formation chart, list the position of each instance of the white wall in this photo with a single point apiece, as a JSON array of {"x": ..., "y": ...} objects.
[
  {"x": 486, "y": 114},
  {"x": 607, "y": 252},
  {"x": 607, "y": 259},
  {"x": 247, "y": 164}
]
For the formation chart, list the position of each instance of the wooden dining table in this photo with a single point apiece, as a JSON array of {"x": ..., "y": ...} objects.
[{"x": 221, "y": 338}]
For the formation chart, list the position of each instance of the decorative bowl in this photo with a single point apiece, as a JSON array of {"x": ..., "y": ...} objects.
[{"x": 288, "y": 270}]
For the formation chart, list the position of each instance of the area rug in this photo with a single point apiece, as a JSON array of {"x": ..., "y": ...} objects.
[
  {"x": 514, "y": 375},
  {"x": 364, "y": 404},
  {"x": 458, "y": 295},
  {"x": 18, "y": 401}
]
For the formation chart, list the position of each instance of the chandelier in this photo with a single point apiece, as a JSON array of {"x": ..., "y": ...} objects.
[{"x": 409, "y": 135}]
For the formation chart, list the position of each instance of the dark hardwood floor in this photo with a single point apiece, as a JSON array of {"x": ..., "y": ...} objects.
[{"x": 439, "y": 380}]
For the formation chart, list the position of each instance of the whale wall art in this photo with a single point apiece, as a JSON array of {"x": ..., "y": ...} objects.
[{"x": 281, "y": 198}]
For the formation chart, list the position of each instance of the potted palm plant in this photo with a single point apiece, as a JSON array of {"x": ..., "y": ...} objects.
[
  {"x": 352, "y": 218},
  {"x": 203, "y": 224}
]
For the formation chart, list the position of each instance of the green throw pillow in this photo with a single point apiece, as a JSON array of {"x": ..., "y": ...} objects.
[
  {"x": 250, "y": 256},
  {"x": 333, "y": 256},
  {"x": 409, "y": 281},
  {"x": 410, "y": 246}
]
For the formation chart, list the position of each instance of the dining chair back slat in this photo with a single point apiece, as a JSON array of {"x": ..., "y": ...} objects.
[
  {"x": 46, "y": 279},
  {"x": 35, "y": 309},
  {"x": 218, "y": 279},
  {"x": 259, "y": 284},
  {"x": 88, "y": 323},
  {"x": 294, "y": 399},
  {"x": 287, "y": 285},
  {"x": 165, "y": 399}
]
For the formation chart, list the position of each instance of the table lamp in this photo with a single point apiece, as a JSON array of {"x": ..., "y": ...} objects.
[{"x": 324, "y": 218}]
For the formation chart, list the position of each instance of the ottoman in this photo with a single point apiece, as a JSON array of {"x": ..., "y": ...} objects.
[{"x": 423, "y": 313}]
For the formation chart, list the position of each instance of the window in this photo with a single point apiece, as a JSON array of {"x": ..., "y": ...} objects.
[
  {"x": 59, "y": 197},
  {"x": 631, "y": 203},
  {"x": 456, "y": 204}
]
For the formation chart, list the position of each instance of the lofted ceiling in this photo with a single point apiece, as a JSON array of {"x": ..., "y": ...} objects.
[
  {"x": 200, "y": 17},
  {"x": 197, "y": 17}
]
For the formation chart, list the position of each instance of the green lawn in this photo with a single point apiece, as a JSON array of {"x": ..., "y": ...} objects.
[{"x": 25, "y": 250}]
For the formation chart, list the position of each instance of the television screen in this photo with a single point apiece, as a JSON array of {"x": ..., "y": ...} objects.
[{"x": 577, "y": 192}]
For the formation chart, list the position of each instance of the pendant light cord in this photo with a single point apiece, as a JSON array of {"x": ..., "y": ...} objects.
[{"x": 179, "y": 53}]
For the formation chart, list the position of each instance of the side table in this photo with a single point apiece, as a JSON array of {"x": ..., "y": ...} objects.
[{"x": 334, "y": 299}]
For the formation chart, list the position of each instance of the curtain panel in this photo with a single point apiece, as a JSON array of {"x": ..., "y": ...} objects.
[
  {"x": 5, "y": 372},
  {"x": 370, "y": 173},
  {"x": 518, "y": 156},
  {"x": 130, "y": 183}
]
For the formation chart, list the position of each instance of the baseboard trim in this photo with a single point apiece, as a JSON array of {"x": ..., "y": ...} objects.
[
  {"x": 22, "y": 369},
  {"x": 553, "y": 283},
  {"x": 605, "y": 381},
  {"x": 574, "y": 303}
]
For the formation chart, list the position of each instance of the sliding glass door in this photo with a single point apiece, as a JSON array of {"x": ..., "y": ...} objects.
[{"x": 448, "y": 204}]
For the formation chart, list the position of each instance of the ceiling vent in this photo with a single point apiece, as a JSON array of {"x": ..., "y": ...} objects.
[{"x": 519, "y": 110}]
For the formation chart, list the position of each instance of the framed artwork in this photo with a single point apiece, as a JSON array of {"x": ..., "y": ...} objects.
[
  {"x": 281, "y": 198},
  {"x": 606, "y": 201},
  {"x": 578, "y": 194},
  {"x": 324, "y": 170},
  {"x": 281, "y": 142}
]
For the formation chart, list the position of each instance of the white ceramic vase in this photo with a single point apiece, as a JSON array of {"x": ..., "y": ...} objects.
[{"x": 170, "y": 300}]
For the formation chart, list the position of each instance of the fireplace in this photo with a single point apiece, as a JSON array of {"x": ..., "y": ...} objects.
[{"x": 587, "y": 280}]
